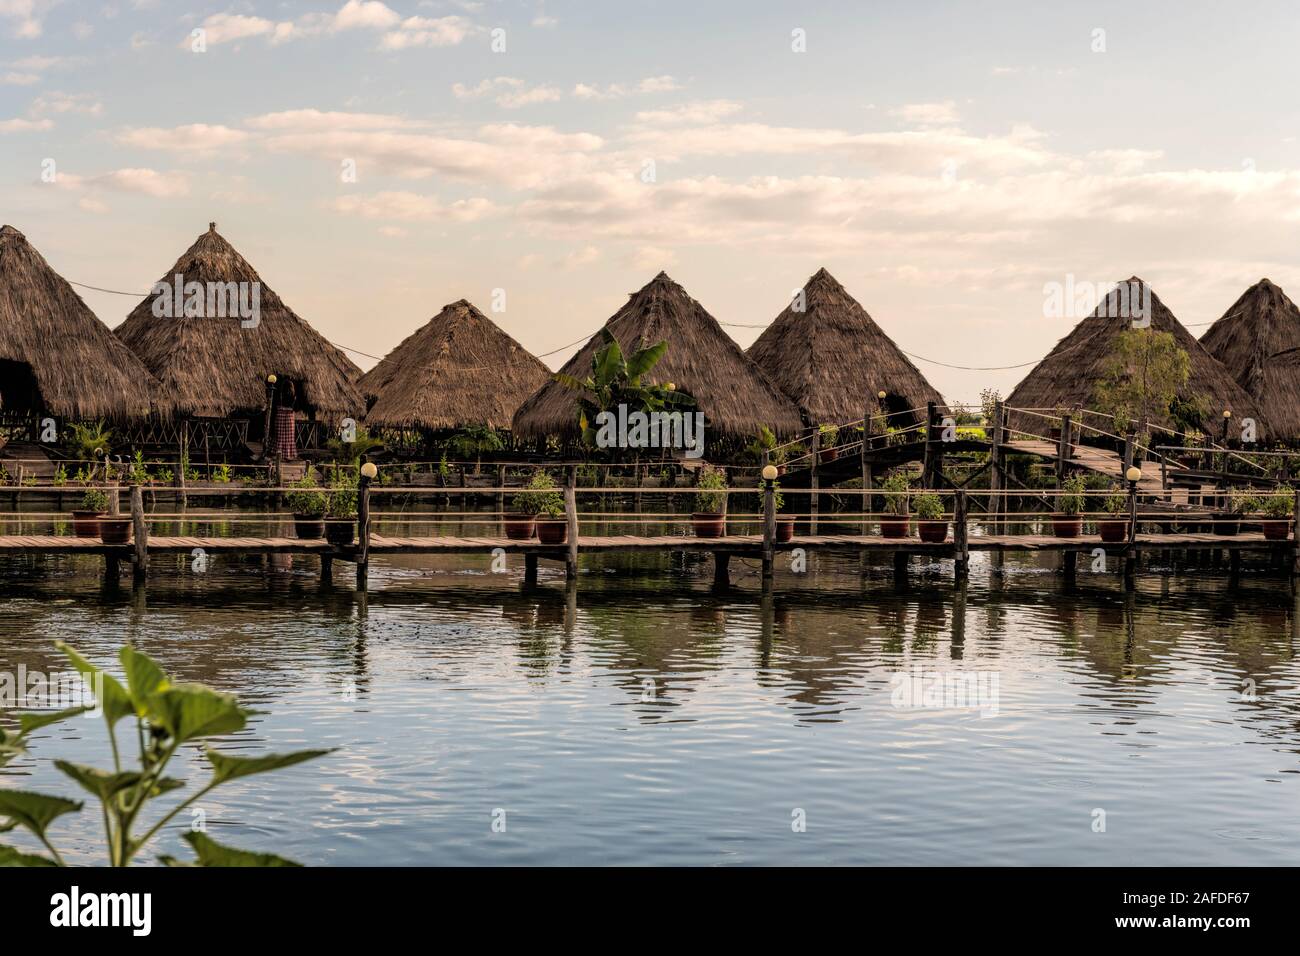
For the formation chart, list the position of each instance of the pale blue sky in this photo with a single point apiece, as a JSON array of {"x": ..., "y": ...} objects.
[{"x": 943, "y": 160}]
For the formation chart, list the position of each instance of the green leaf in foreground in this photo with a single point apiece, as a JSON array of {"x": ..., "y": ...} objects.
[
  {"x": 102, "y": 783},
  {"x": 144, "y": 677},
  {"x": 11, "y": 857},
  {"x": 35, "y": 811},
  {"x": 35, "y": 721},
  {"x": 188, "y": 711},
  {"x": 226, "y": 767},
  {"x": 212, "y": 853},
  {"x": 112, "y": 696}
]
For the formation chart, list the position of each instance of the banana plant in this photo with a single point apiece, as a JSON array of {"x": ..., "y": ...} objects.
[
  {"x": 616, "y": 380},
  {"x": 167, "y": 715}
]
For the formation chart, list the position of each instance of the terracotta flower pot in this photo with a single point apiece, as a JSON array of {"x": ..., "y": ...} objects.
[
  {"x": 708, "y": 524},
  {"x": 1275, "y": 529},
  {"x": 932, "y": 530},
  {"x": 520, "y": 527},
  {"x": 552, "y": 530},
  {"x": 784, "y": 529},
  {"x": 830, "y": 454},
  {"x": 340, "y": 531},
  {"x": 1227, "y": 526},
  {"x": 308, "y": 527},
  {"x": 85, "y": 524},
  {"x": 115, "y": 530},
  {"x": 1113, "y": 531},
  {"x": 1067, "y": 526},
  {"x": 895, "y": 526}
]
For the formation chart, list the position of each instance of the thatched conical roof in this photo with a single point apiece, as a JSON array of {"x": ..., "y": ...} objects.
[
  {"x": 213, "y": 367},
  {"x": 1258, "y": 341},
  {"x": 1069, "y": 375},
  {"x": 735, "y": 395},
  {"x": 831, "y": 359},
  {"x": 458, "y": 369},
  {"x": 78, "y": 368}
]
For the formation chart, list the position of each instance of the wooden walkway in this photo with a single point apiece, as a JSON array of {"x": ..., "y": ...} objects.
[{"x": 1099, "y": 460}]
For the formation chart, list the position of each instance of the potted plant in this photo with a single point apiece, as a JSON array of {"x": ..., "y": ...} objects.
[
  {"x": 1277, "y": 511},
  {"x": 1067, "y": 522},
  {"x": 115, "y": 529},
  {"x": 898, "y": 522},
  {"x": 709, "y": 521},
  {"x": 308, "y": 506},
  {"x": 930, "y": 522},
  {"x": 85, "y": 521},
  {"x": 1239, "y": 503},
  {"x": 552, "y": 525},
  {"x": 341, "y": 511},
  {"x": 1114, "y": 528},
  {"x": 528, "y": 504},
  {"x": 827, "y": 435},
  {"x": 784, "y": 525}
]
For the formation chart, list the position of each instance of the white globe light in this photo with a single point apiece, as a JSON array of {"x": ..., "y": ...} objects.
[
  {"x": 369, "y": 469},
  {"x": 769, "y": 472}
]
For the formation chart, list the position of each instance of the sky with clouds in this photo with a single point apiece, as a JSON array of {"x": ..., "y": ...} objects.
[{"x": 945, "y": 161}]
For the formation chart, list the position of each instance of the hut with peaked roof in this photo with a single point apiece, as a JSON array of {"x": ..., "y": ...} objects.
[
  {"x": 734, "y": 394},
  {"x": 1258, "y": 341},
  {"x": 212, "y": 332},
  {"x": 1068, "y": 376},
  {"x": 832, "y": 360},
  {"x": 458, "y": 369},
  {"x": 56, "y": 356}
]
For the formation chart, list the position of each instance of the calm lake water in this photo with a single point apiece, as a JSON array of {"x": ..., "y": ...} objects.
[{"x": 645, "y": 720}]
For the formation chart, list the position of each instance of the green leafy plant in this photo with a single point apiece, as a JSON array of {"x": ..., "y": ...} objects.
[
  {"x": 1243, "y": 502},
  {"x": 350, "y": 452},
  {"x": 305, "y": 499},
  {"x": 221, "y": 474},
  {"x": 1115, "y": 503},
  {"x": 928, "y": 506},
  {"x": 540, "y": 496},
  {"x": 83, "y": 440},
  {"x": 60, "y": 477},
  {"x": 617, "y": 380},
  {"x": 765, "y": 442},
  {"x": 827, "y": 435},
  {"x": 1281, "y": 504},
  {"x": 167, "y": 717},
  {"x": 341, "y": 502},
  {"x": 896, "y": 488},
  {"x": 1141, "y": 381},
  {"x": 472, "y": 442},
  {"x": 709, "y": 496},
  {"x": 95, "y": 499},
  {"x": 1070, "y": 501},
  {"x": 778, "y": 499}
]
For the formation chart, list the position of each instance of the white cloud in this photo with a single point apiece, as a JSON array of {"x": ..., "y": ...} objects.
[
  {"x": 19, "y": 79},
  {"x": 146, "y": 182},
  {"x": 700, "y": 111},
  {"x": 507, "y": 91},
  {"x": 580, "y": 258},
  {"x": 424, "y": 31},
  {"x": 195, "y": 137},
  {"x": 58, "y": 102},
  {"x": 20, "y": 125},
  {"x": 614, "y": 91},
  {"x": 325, "y": 120},
  {"x": 230, "y": 27},
  {"x": 91, "y": 204},
  {"x": 23, "y": 14},
  {"x": 413, "y": 207},
  {"x": 927, "y": 114},
  {"x": 365, "y": 14}
]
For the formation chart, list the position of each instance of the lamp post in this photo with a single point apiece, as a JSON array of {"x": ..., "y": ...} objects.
[
  {"x": 368, "y": 472},
  {"x": 1133, "y": 475},
  {"x": 267, "y": 444},
  {"x": 769, "y": 522}
]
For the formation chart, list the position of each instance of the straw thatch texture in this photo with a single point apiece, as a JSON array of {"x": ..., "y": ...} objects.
[
  {"x": 1257, "y": 341},
  {"x": 213, "y": 367},
  {"x": 1068, "y": 376},
  {"x": 458, "y": 369},
  {"x": 78, "y": 367},
  {"x": 735, "y": 395},
  {"x": 831, "y": 359}
]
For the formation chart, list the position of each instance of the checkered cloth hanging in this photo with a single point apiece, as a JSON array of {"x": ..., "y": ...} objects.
[{"x": 286, "y": 449}]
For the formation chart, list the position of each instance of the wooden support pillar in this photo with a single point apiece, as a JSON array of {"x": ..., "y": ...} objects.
[
  {"x": 140, "y": 570},
  {"x": 1069, "y": 565},
  {"x": 1234, "y": 567},
  {"x": 571, "y": 521},
  {"x": 769, "y": 534},
  {"x": 721, "y": 567},
  {"x": 901, "y": 559},
  {"x": 997, "y": 479},
  {"x": 1064, "y": 450},
  {"x": 530, "y": 570},
  {"x": 961, "y": 553},
  {"x": 813, "y": 482},
  {"x": 326, "y": 569},
  {"x": 112, "y": 566},
  {"x": 868, "y": 478},
  {"x": 363, "y": 531},
  {"x": 1131, "y": 553},
  {"x": 931, "y": 447}
]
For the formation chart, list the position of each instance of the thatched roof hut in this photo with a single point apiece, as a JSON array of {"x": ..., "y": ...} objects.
[
  {"x": 459, "y": 369},
  {"x": 1258, "y": 341},
  {"x": 1069, "y": 375},
  {"x": 735, "y": 396},
  {"x": 831, "y": 359},
  {"x": 215, "y": 364},
  {"x": 55, "y": 354}
]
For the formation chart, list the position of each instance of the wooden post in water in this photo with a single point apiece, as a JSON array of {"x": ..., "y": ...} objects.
[
  {"x": 571, "y": 519},
  {"x": 141, "y": 531},
  {"x": 813, "y": 481},
  {"x": 1064, "y": 450},
  {"x": 769, "y": 534},
  {"x": 930, "y": 450},
  {"x": 721, "y": 568},
  {"x": 1295, "y": 537},
  {"x": 1130, "y": 554},
  {"x": 868, "y": 479},
  {"x": 530, "y": 570},
  {"x": 363, "y": 527},
  {"x": 996, "y": 478},
  {"x": 961, "y": 554},
  {"x": 1069, "y": 565},
  {"x": 111, "y": 566}
]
